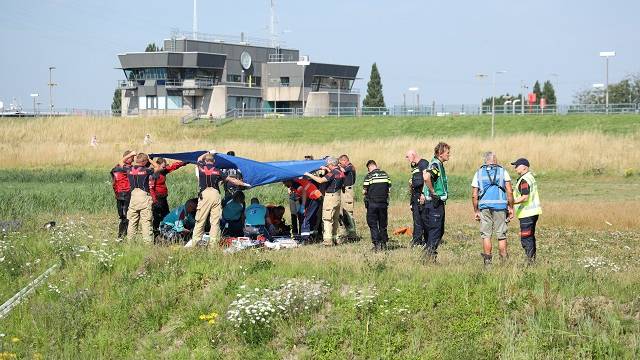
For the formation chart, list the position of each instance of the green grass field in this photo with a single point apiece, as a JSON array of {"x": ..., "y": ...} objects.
[{"x": 113, "y": 299}]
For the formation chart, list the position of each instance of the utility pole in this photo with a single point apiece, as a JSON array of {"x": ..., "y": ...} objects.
[
  {"x": 607, "y": 55},
  {"x": 51, "y": 85}
]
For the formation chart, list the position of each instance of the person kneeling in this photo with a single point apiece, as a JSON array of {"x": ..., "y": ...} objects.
[
  {"x": 176, "y": 227},
  {"x": 255, "y": 223},
  {"x": 233, "y": 216}
]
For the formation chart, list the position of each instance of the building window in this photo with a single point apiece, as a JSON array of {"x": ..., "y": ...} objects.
[
  {"x": 234, "y": 78},
  {"x": 152, "y": 102},
  {"x": 284, "y": 81}
]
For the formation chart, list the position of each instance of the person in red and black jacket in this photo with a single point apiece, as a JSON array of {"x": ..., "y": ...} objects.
[
  {"x": 159, "y": 191},
  {"x": 139, "y": 213},
  {"x": 334, "y": 180},
  {"x": 121, "y": 190},
  {"x": 311, "y": 200}
]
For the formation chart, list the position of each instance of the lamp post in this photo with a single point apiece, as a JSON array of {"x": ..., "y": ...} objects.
[
  {"x": 51, "y": 85},
  {"x": 493, "y": 103},
  {"x": 34, "y": 96},
  {"x": 304, "y": 62},
  {"x": 524, "y": 93},
  {"x": 607, "y": 55}
]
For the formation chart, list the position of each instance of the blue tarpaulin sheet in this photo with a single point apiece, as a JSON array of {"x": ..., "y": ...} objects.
[{"x": 254, "y": 172}]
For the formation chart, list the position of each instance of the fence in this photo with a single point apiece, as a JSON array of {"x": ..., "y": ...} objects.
[{"x": 398, "y": 110}]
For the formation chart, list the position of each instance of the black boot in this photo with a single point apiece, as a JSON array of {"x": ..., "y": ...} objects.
[{"x": 487, "y": 259}]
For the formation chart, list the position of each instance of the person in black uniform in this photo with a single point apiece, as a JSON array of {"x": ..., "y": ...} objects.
[
  {"x": 376, "y": 187},
  {"x": 348, "y": 198},
  {"x": 416, "y": 183}
]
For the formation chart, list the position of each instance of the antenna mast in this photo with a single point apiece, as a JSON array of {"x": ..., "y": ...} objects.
[
  {"x": 274, "y": 35},
  {"x": 195, "y": 19}
]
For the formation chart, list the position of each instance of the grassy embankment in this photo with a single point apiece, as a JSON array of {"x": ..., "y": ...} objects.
[{"x": 118, "y": 300}]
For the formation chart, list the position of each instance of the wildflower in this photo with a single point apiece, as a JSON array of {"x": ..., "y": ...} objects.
[{"x": 15, "y": 339}]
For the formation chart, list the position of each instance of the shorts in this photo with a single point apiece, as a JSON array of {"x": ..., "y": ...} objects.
[{"x": 493, "y": 221}]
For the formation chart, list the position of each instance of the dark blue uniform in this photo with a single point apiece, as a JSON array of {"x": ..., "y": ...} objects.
[{"x": 417, "y": 210}]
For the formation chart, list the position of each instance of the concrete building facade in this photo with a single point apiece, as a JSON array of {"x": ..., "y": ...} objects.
[{"x": 215, "y": 78}]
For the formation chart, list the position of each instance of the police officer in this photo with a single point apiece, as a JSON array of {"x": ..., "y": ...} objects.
[
  {"x": 348, "y": 197},
  {"x": 376, "y": 187},
  {"x": 331, "y": 201},
  {"x": 416, "y": 183},
  {"x": 527, "y": 207},
  {"x": 209, "y": 205},
  {"x": 436, "y": 194},
  {"x": 492, "y": 200},
  {"x": 122, "y": 190}
]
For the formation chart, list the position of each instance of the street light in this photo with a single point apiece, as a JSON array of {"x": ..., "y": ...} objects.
[
  {"x": 34, "y": 96},
  {"x": 493, "y": 103},
  {"x": 607, "y": 55},
  {"x": 51, "y": 85},
  {"x": 304, "y": 62}
]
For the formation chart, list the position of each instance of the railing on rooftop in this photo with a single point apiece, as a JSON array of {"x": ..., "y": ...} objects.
[
  {"x": 177, "y": 34},
  {"x": 278, "y": 58}
]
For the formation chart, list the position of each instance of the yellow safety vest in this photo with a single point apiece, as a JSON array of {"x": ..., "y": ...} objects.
[{"x": 531, "y": 207}]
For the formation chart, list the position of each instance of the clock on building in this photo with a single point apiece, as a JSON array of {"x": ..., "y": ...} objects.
[{"x": 245, "y": 60}]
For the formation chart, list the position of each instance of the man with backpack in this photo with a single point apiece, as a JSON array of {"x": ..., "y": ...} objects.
[{"x": 492, "y": 198}]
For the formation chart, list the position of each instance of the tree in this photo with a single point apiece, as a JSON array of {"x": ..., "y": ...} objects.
[
  {"x": 537, "y": 91},
  {"x": 549, "y": 93},
  {"x": 625, "y": 92},
  {"x": 116, "y": 104},
  {"x": 374, "y": 97},
  {"x": 152, "y": 47}
]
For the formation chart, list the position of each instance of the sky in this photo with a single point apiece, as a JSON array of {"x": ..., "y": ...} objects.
[{"x": 437, "y": 46}]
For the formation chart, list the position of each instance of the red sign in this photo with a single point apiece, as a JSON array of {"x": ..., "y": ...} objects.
[{"x": 532, "y": 98}]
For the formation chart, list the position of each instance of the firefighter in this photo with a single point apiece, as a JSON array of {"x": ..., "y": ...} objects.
[
  {"x": 121, "y": 190},
  {"x": 419, "y": 167},
  {"x": 376, "y": 187},
  {"x": 160, "y": 192},
  {"x": 311, "y": 200},
  {"x": 139, "y": 212},
  {"x": 436, "y": 194},
  {"x": 209, "y": 205},
  {"x": 333, "y": 182},
  {"x": 347, "y": 197}
]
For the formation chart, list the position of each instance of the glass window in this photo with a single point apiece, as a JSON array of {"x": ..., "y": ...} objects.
[{"x": 284, "y": 81}]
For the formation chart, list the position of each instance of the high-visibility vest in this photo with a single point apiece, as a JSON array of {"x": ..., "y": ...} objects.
[
  {"x": 441, "y": 185},
  {"x": 492, "y": 193},
  {"x": 531, "y": 207}
]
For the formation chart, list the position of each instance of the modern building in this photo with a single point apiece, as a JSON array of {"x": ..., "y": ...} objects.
[{"x": 216, "y": 78}]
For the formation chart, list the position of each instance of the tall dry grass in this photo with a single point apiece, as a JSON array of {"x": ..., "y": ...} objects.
[{"x": 65, "y": 142}]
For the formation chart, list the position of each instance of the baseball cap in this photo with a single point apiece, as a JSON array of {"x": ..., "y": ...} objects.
[{"x": 521, "y": 161}]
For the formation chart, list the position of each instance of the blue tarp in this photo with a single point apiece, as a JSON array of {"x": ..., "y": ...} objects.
[{"x": 254, "y": 172}]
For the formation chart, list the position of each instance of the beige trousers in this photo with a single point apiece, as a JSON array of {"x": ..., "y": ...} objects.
[
  {"x": 346, "y": 204},
  {"x": 208, "y": 207},
  {"x": 330, "y": 218},
  {"x": 139, "y": 215}
]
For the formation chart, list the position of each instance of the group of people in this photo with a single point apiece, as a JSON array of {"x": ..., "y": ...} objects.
[
  {"x": 495, "y": 202},
  {"x": 141, "y": 193}
]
